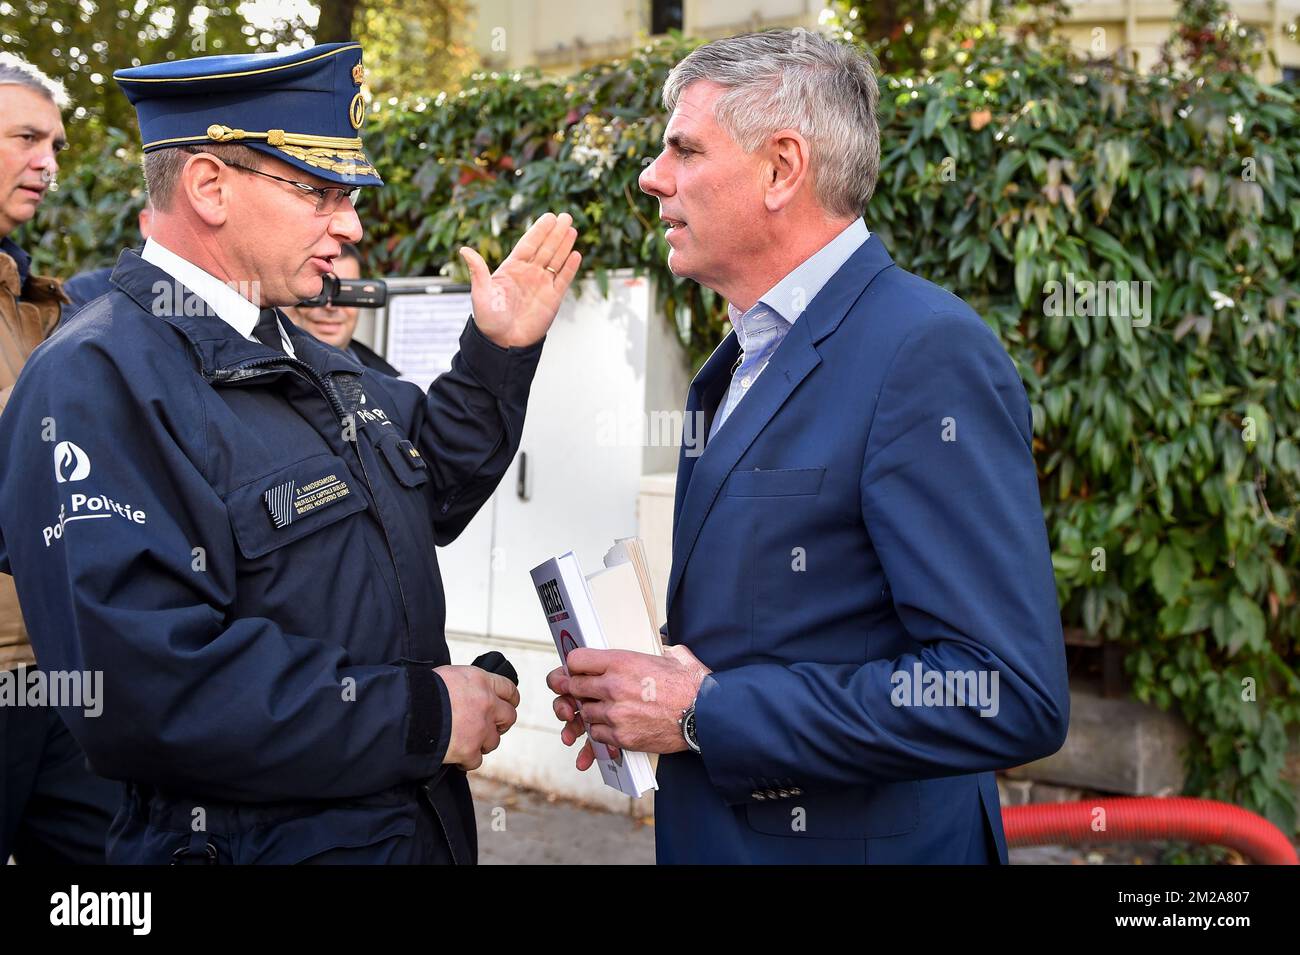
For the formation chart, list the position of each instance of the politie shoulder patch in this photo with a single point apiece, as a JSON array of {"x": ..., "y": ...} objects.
[{"x": 287, "y": 502}]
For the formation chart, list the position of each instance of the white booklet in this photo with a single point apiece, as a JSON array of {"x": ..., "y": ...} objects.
[{"x": 612, "y": 609}]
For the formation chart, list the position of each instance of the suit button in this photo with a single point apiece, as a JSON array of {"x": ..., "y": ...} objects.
[
  {"x": 796, "y": 791},
  {"x": 757, "y": 795},
  {"x": 771, "y": 794},
  {"x": 784, "y": 793}
]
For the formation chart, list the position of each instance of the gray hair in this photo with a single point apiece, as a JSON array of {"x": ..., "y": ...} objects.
[
  {"x": 15, "y": 71},
  {"x": 802, "y": 80},
  {"x": 162, "y": 167}
]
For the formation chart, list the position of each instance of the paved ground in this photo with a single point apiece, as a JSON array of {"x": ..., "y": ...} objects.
[
  {"x": 518, "y": 825},
  {"x": 521, "y": 826}
]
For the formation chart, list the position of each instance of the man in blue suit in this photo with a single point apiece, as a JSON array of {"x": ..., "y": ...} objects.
[{"x": 860, "y": 565}]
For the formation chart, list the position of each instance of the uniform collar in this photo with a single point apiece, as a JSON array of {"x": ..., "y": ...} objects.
[
  {"x": 229, "y": 304},
  {"x": 218, "y": 344}
]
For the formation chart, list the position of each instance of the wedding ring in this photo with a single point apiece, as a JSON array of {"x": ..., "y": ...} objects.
[{"x": 551, "y": 270}]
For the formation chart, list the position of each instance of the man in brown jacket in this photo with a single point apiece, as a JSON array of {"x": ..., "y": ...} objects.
[{"x": 52, "y": 809}]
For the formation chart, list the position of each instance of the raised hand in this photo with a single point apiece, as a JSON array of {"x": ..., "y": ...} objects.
[{"x": 515, "y": 305}]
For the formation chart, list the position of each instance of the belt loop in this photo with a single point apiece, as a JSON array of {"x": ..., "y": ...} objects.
[{"x": 199, "y": 851}]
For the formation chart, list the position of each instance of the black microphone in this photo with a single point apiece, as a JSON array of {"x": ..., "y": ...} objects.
[
  {"x": 494, "y": 661},
  {"x": 369, "y": 293}
]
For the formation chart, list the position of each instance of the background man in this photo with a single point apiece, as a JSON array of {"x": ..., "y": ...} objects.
[
  {"x": 236, "y": 524},
  {"x": 863, "y": 521},
  {"x": 51, "y": 808}
]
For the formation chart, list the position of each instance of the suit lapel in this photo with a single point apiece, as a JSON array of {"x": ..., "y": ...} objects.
[
  {"x": 700, "y": 479},
  {"x": 789, "y": 365}
]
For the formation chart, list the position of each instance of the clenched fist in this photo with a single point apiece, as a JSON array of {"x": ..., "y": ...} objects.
[{"x": 483, "y": 708}]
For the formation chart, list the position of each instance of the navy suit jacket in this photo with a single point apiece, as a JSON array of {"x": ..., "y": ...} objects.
[{"x": 867, "y": 516}]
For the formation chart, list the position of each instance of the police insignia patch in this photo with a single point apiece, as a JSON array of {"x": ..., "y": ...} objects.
[{"x": 286, "y": 502}]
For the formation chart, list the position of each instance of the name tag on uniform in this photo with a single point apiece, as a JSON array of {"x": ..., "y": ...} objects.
[
  {"x": 413, "y": 456},
  {"x": 289, "y": 501},
  {"x": 404, "y": 460}
]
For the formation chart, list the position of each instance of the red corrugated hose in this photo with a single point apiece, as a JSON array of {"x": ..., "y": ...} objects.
[{"x": 1148, "y": 819}]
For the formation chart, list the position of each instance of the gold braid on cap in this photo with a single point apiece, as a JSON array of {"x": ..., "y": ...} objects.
[
  {"x": 278, "y": 137},
  {"x": 338, "y": 154},
  {"x": 340, "y": 161}
]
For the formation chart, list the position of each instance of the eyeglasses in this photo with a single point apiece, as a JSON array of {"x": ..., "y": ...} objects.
[{"x": 328, "y": 198}]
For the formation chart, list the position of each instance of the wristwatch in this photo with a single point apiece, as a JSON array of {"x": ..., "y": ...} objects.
[{"x": 687, "y": 724}]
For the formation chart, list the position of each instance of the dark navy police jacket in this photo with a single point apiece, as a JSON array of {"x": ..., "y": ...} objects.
[{"x": 243, "y": 543}]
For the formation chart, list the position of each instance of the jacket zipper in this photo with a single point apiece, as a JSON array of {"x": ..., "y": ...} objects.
[{"x": 260, "y": 366}]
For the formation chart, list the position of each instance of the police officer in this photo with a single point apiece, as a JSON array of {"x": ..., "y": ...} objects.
[{"x": 236, "y": 524}]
